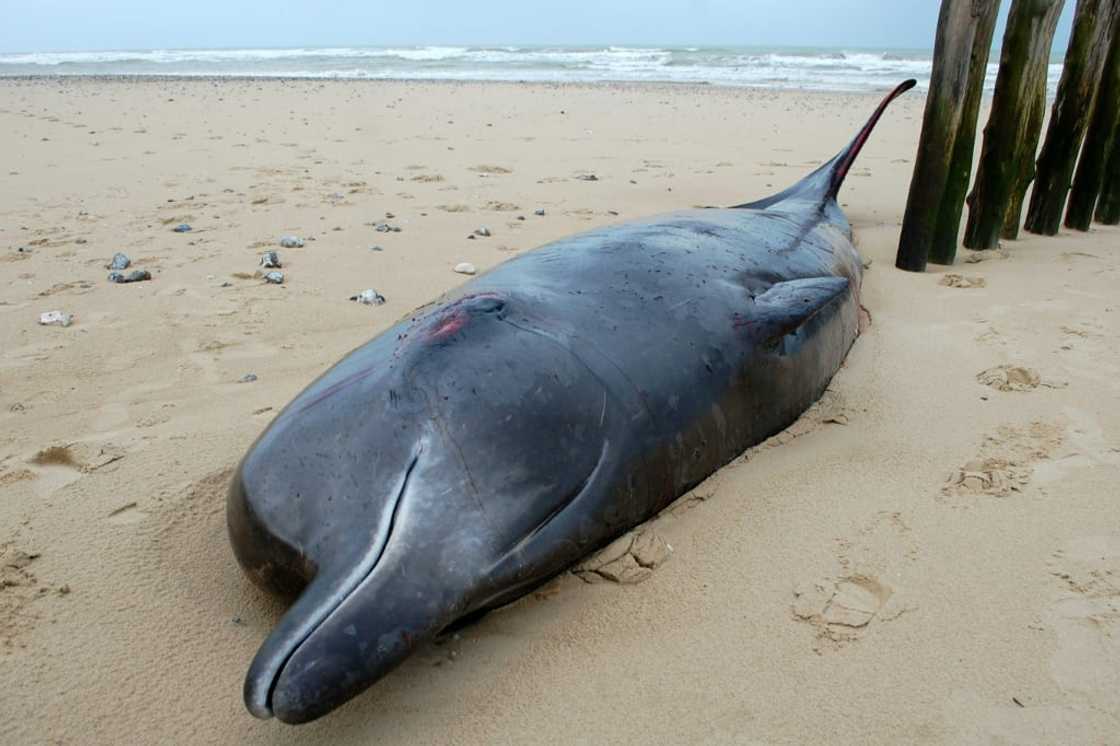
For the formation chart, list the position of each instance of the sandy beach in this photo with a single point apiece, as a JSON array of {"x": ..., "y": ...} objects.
[{"x": 930, "y": 555}]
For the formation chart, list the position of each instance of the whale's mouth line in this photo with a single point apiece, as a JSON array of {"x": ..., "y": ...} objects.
[{"x": 353, "y": 582}]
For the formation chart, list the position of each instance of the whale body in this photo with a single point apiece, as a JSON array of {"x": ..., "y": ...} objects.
[{"x": 492, "y": 439}]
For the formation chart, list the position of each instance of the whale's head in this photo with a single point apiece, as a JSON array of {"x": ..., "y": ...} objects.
[{"x": 423, "y": 477}]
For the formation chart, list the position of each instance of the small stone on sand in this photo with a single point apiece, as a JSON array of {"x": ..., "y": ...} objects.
[
  {"x": 56, "y": 318},
  {"x": 291, "y": 242},
  {"x": 369, "y": 297},
  {"x": 271, "y": 260},
  {"x": 139, "y": 275},
  {"x": 465, "y": 268}
]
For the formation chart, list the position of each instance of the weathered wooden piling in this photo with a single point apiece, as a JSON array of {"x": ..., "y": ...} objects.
[
  {"x": 1035, "y": 115},
  {"x": 944, "y": 160},
  {"x": 1014, "y": 126},
  {"x": 1099, "y": 142},
  {"x": 1108, "y": 206},
  {"x": 1070, "y": 115}
]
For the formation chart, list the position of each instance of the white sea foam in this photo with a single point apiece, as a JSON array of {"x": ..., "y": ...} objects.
[{"x": 806, "y": 69}]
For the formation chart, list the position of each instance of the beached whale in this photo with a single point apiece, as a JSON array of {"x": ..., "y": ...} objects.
[{"x": 492, "y": 439}]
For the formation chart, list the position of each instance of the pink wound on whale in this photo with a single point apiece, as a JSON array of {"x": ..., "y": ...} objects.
[
  {"x": 448, "y": 324},
  {"x": 455, "y": 316}
]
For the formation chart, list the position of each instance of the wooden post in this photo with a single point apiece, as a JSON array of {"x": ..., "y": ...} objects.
[
  {"x": 964, "y": 38},
  {"x": 1108, "y": 208},
  {"x": 1103, "y": 129},
  {"x": 1014, "y": 126},
  {"x": 1035, "y": 115},
  {"x": 1070, "y": 115}
]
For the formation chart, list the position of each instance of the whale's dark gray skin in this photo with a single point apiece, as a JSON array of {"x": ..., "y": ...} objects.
[{"x": 487, "y": 442}]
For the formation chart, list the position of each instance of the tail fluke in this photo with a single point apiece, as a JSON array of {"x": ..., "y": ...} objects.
[{"x": 824, "y": 184}]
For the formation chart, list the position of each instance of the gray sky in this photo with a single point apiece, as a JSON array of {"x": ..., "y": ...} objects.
[{"x": 55, "y": 25}]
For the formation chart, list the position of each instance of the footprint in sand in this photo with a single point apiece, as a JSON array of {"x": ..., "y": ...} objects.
[
  {"x": 975, "y": 257},
  {"x": 1009, "y": 378},
  {"x": 630, "y": 559},
  {"x": 840, "y": 610},
  {"x": 18, "y": 589},
  {"x": 963, "y": 281},
  {"x": 1005, "y": 461},
  {"x": 1084, "y": 329},
  {"x": 15, "y": 476},
  {"x": 1082, "y": 616},
  {"x": 57, "y": 466},
  {"x": 1086, "y": 445},
  {"x": 990, "y": 476},
  {"x": 83, "y": 457},
  {"x": 841, "y": 607},
  {"x": 487, "y": 169},
  {"x": 1085, "y": 617},
  {"x": 78, "y": 287},
  {"x": 497, "y": 206}
]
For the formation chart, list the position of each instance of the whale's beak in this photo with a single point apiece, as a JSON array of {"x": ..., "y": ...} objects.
[
  {"x": 365, "y": 637},
  {"x": 365, "y": 611}
]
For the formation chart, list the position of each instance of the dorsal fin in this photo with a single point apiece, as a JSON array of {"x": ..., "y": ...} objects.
[
  {"x": 787, "y": 306},
  {"x": 823, "y": 184}
]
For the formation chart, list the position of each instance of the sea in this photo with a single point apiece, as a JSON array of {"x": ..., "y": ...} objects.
[{"x": 815, "y": 69}]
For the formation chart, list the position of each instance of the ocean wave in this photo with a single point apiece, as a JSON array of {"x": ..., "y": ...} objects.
[{"x": 806, "y": 68}]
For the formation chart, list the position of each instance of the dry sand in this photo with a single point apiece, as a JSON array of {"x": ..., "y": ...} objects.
[{"x": 932, "y": 555}]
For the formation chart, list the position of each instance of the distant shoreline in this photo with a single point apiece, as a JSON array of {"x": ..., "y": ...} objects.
[
  {"x": 806, "y": 69},
  {"x": 832, "y": 69},
  {"x": 675, "y": 85}
]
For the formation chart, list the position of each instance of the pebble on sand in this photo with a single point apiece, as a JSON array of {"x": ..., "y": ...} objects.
[
  {"x": 291, "y": 242},
  {"x": 270, "y": 260},
  {"x": 539, "y": 212},
  {"x": 275, "y": 278},
  {"x": 56, "y": 318},
  {"x": 248, "y": 378},
  {"x": 386, "y": 228},
  {"x": 120, "y": 261},
  {"x": 369, "y": 297},
  {"x": 465, "y": 268},
  {"x": 139, "y": 275},
  {"x": 182, "y": 228}
]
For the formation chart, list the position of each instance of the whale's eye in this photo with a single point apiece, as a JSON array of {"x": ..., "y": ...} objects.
[{"x": 488, "y": 305}]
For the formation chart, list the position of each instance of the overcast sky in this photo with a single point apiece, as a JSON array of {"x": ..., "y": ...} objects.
[{"x": 54, "y": 25}]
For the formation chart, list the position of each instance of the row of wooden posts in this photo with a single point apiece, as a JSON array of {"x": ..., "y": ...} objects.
[{"x": 1085, "y": 119}]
